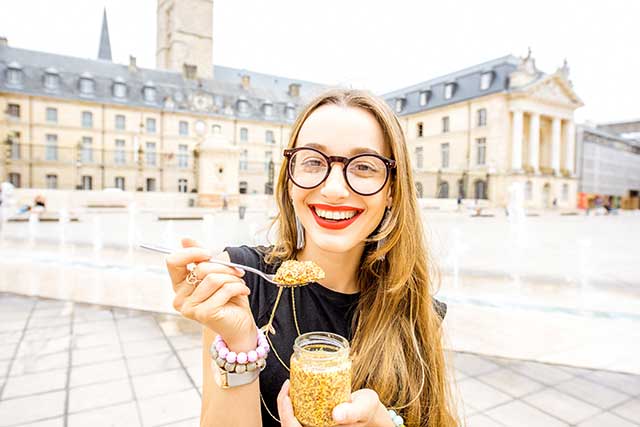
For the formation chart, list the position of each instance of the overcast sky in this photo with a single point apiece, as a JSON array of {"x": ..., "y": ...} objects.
[{"x": 378, "y": 45}]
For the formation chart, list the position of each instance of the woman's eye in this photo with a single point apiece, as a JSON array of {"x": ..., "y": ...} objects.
[{"x": 313, "y": 163}]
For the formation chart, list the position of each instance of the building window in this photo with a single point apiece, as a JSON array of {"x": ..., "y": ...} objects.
[
  {"x": 244, "y": 162},
  {"x": 419, "y": 157},
  {"x": 183, "y": 128},
  {"x": 121, "y": 122},
  {"x": 444, "y": 155},
  {"x": 269, "y": 138},
  {"x": 183, "y": 156},
  {"x": 149, "y": 93},
  {"x": 290, "y": 112},
  {"x": 87, "y": 182},
  {"x": 51, "y": 149},
  {"x": 151, "y": 125},
  {"x": 461, "y": 188},
  {"x": 14, "y": 75},
  {"x": 52, "y": 181},
  {"x": 565, "y": 192},
  {"x": 443, "y": 190},
  {"x": 482, "y": 117},
  {"x": 243, "y": 187},
  {"x": 14, "y": 179},
  {"x": 51, "y": 80},
  {"x": 87, "y": 119},
  {"x": 119, "y": 90},
  {"x": 243, "y": 106},
  {"x": 268, "y": 157},
  {"x": 182, "y": 185},
  {"x": 119, "y": 155},
  {"x": 87, "y": 86},
  {"x": 424, "y": 98},
  {"x": 419, "y": 190},
  {"x": 14, "y": 150},
  {"x": 87, "y": 150},
  {"x": 151, "y": 184},
  {"x": 419, "y": 130},
  {"x": 150, "y": 153},
  {"x": 480, "y": 187},
  {"x": 399, "y": 105},
  {"x": 485, "y": 80},
  {"x": 119, "y": 182},
  {"x": 268, "y": 109},
  {"x": 244, "y": 134},
  {"x": 481, "y": 151},
  {"x": 13, "y": 110},
  {"x": 445, "y": 124},
  {"x": 216, "y": 129},
  {"x": 448, "y": 90},
  {"x": 52, "y": 115},
  {"x": 528, "y": 191}
]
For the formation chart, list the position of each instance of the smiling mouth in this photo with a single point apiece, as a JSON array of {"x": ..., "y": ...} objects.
[{"x": 336, "y": 216}]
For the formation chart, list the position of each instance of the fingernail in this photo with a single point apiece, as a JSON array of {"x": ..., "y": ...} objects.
[
  {"x": 240, "y": 271},
  {"x": 339, "y": 414}
]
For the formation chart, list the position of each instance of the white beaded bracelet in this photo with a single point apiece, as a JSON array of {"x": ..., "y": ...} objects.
[{"x": 397, "y": 419}]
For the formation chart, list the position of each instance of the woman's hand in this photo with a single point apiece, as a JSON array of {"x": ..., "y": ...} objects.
[
  {"x": 218, "y": 302},
  {"x": 364, "y": 410}
]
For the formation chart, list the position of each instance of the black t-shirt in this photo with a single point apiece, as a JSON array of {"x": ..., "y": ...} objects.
[{"x": 317, "y": 309}]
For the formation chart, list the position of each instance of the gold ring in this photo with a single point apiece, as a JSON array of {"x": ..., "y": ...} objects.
[{"x": 192, "y": 277}]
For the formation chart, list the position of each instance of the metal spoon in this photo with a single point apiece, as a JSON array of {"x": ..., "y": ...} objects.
[{"x": 265, "y": 276}]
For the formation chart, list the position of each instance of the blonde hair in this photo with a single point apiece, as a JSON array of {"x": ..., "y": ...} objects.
[{"x": 397, "y": 341}]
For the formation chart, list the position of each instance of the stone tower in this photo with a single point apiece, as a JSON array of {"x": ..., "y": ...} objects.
[{"x": 185, "y": 36}]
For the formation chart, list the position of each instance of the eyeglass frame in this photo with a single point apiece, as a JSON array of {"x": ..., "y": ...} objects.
[{"x": 390, "y": 165}]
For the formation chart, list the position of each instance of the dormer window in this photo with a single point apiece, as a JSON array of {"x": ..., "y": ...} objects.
[
  {"x": 485, "y": 80},
  {"x": 267, "y": 108},
  {"x": 449, "y": 89},
  {"x": 399, "y": 104},
  {"x": 14, "y": 74},
  {"x": 243, "y": 106},
  {"x": 87, "y": 84},
  {"x": 149, "y": 92},
  {"x": 290, "y": 112},
  {"x": 119, "y": 88},
  {"x": 424, "y": 97},
  {"x": 51, "y": 79}
]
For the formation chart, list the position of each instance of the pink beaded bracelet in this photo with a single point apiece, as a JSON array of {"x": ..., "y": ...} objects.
[{"x": 240, "y": 362}]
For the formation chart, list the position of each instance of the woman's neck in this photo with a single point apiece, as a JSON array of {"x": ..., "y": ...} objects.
[{"x": 340, "y": 268}]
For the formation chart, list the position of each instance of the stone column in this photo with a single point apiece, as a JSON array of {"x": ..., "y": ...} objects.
[
  {"x": 555, "y": 145},
  {"x": 534, "y": 142},
  {"x": 516, "y": 141},
  {"x": 570, "y": 143}
]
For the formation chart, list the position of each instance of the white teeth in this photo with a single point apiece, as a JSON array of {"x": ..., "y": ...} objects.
[{"x": 336, "y": 215}]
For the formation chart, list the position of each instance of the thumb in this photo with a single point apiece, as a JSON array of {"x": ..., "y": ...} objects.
[{"x": 188, "y": 242}]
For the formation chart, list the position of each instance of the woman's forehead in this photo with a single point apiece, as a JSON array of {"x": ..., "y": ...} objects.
[{"x": 343, "y": 130}]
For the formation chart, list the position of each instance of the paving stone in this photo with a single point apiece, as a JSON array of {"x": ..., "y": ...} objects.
[
  {"x": 87, "y": 356},
  {"x": 511, "y": 383},
  {"x": 33, "y": 363},
  {"x": 595, "y": 394},
  {"x": 479, "y": 395},
  {"x": 96, "y": 340},
  {"x": 4, "y": 367},
  {"x": 186, "y": 342},
  {"x": 480, "y": 420},
  {"x": 122, "y": 415},
  {"x": 606, "y": 419},
  {"x": 12, "y": 325},
  {"x": 99, "y": 395},
  {"x": 160, "y": 383},
  {"x": 24, "y": 385},
  {"x": 146, "y": 348},
  {"x": 43, "y": 333},
  {"x": 472, "y": 364},
  {"x": 192, "y": 422},
  {"x": 191, "y": 357},
  {"x": 52, "y": 422},
  {"x": 82, "y": 328},
  {"x": 139, "y": 334},
  {"x": 92, "y": 315},
  {"x": 7, "y": 351},
  {"x": 170, "y": 408},
  {"x": 629, "y": 410},
  {"x": 98, "y": 372},
  {"x": 626, "y": 383},
  {"x": 149, "y": 364},
  {"x": 195, "y": 372},
  {"x": 545, "y": 374},
  {"x": 518, "y": 414},
  {"x": 31, "y": 408},
  {"x": 562, "y": 406},
  {"x": 45, "y": 346}
]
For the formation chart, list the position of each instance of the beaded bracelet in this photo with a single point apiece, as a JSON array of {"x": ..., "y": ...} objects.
[
  {"x": 240, "y": 362},
  {"x": 397, "y": 419}
]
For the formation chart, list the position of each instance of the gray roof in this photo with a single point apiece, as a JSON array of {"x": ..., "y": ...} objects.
[
  {"x": 607, "y": 134},
  {"x": 466, "y": 86},
  {"x": 174, "y": 91}
]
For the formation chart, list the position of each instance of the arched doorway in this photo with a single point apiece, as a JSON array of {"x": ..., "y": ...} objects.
[
  {"x": 443, "y": 190},
  {"x": 480, "y": 188}
]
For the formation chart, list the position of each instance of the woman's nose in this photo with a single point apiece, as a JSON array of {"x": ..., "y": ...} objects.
[{"x": 335, "y": 185}]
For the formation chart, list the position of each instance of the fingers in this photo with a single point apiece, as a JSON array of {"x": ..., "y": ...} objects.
[
  {"x": 177, "y": 261},
  {"x": 363, "y": 405},
  {"x": 213, "y": 307},
  {"x": 210, "y": 285},
  {"x": 205, "y": 268},
  {"x": 285, "y": 408}
]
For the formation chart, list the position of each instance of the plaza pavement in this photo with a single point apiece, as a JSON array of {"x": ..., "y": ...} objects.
[{"x": 65, "y": 364}]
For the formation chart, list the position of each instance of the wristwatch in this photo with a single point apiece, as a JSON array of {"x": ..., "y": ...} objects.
[{"x": 227, "y": 380}]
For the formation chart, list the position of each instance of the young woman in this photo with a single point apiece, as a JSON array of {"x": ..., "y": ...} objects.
[{"x": 352, "y": 209}]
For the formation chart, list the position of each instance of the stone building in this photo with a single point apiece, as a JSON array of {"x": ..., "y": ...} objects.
[{"x": 474, "y": 132}]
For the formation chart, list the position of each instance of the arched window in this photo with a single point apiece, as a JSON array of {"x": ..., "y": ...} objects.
[
  {"x": 443, "y": 190},
  {"x": 87, "y": 84},
  {"x": 51, "y": 78},
  {"x": 149, "y": 92},
  {"x": 480, "y": 188},
  {"x": 119, "y": 88},
  {"x": 419, "y": 189},
  {"x": 14, "y": 74}
]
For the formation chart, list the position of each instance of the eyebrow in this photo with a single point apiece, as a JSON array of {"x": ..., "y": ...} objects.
[{"x": 357, "y": 150}]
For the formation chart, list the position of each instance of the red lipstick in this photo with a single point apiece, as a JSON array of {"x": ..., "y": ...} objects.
[{"x": 334, "y": 224}]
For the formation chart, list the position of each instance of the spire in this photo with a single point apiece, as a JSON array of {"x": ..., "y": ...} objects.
[{"x": 104, "y": 52}]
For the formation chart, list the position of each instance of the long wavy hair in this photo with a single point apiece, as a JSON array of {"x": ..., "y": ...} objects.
[{"x": 397, "y": 339}]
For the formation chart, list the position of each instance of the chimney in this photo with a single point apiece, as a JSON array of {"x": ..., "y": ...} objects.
[
  {"x": 294, "y": 89},
  {"x": 133, "y": 67},
  {"x": 3, "y": 41},
  {"x": 246, "y": 80},
  {"x": 189, "y": 71}
]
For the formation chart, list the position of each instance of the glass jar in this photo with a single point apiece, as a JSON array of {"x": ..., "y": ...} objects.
[{"x": 320, "y": 377}]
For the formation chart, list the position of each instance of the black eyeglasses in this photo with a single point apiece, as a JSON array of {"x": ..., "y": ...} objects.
[{"x": 366, "y": 174}]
